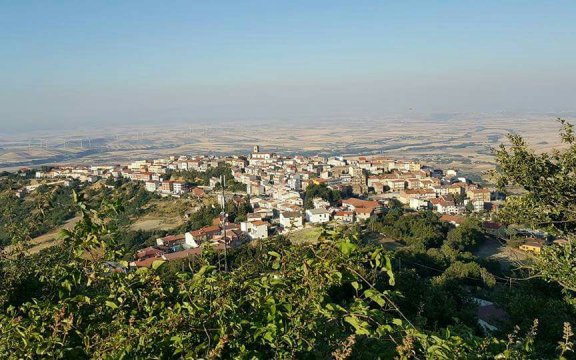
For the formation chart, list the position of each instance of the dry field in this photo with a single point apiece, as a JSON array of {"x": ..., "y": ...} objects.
[{"x": 451, "y": 140}]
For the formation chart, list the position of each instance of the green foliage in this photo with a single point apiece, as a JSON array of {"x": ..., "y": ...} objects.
[
  {"x": 38, "y": 213},
  {"x": 421, "y": 230},
  {"x": 465, "y": 237},
  {"x": 202, "y": 178},
  {"x": 548, "y": 182},
  {"x": 203, "y": 217},
  {"x": 320, "y": 191},
  {"x": 546, "y": 200},
  {"x": 536, "y": 299}
]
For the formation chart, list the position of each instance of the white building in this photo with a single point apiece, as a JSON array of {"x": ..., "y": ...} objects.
[
  {"x": 256, "y": 229},
  {"x": 178, "y": 187},
  {"x": 419, "y": 204},
  {"x": 291, "y": 220},
  {"x": 189, "y": 241},
  {"x": 317, "y": 216},
  {"x": 320, "y": 203},
  {"x": 151, "y": 186}
]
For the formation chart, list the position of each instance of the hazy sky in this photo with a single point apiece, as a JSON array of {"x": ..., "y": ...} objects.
[{"x": 123, "y": 62}]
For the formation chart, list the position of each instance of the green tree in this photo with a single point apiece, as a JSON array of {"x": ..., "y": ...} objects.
[
  {"x": 542, "y": 194},
  {"x": 465, "y": 237},
  {"x": 320, "y": 191}
]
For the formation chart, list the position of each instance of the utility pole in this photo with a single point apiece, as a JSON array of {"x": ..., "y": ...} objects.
[{"x": 224, "y": 219}]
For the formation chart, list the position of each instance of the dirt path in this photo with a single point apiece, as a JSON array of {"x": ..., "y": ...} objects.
[
  {"x": 492, "y": 248},
  {"x": 51, "y": 238},
  {"x": 152, "y": 223}
]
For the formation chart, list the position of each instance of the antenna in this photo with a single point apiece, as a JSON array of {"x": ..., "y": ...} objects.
[{"x": 224, "y": 218}]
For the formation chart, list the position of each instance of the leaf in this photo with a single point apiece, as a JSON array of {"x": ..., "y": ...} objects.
[
  {"x": 375, "y": 296},
  {"x": 157, "y": 263},
  {"x": 111, "y": 305},
  {"x": 64, "y": 234},
  {"x": 274, "y": 253},
  {"x": 346, "y": 247},
  {"x": 391, "y": 279},
  {"x": 359, "y": 326},
  {"x": 204, "y": 269}
]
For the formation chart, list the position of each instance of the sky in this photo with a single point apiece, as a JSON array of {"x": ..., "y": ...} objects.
[{"x": 66, "y": 64}]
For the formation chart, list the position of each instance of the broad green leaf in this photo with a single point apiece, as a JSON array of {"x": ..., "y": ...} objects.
[{"x": 157, "y": 263}]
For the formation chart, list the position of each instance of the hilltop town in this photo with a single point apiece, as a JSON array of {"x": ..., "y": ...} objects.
[{"x": 284, "y": 193}]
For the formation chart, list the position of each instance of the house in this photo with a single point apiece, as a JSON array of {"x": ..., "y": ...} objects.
[
  {"x": 419, "y": 204},
  {"x": 213, "y": 181},
  {"x": 344, "y": 216},
  {"x": 379, "y": 187},
  {"x": 456, "y": 189},
  {"x": 317, "y": 216},
  {"x": 206, "y": 233},
  {"x": 406, "y": 195},
  {"x": 444, "y": 206},
  {"x": 478, "y": 205},
  {"x": 151, "y": 186},
  {"x": 396, "y": 184},
  {"x": 166, "y": 186},
  {"x": 320, "y": 203},
  {"x": 189, "y": 241},
  {"x": 149, "y": 252},
  {"x": 179, "y": 187},
  {"x": 170, "y": 240},
  {"x": 256, "y": 229},
  {"x": 182, "y": 254},
  {"x": 532, "y": 245},
  {"x": 479, "y": 195},
  {"x": 253, "y": 217},
  {"x": 198, "y": 192},
  {"x": 291, "y": 219},
  {"x": 147, "y": 262},
  {"x": 352, "y": 204},
  {"x": 363, "y": 213}
]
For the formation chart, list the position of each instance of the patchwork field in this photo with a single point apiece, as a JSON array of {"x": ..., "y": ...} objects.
[{"x": 448, "y": 140}]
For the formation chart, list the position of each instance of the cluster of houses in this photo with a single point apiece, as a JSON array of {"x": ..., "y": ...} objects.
[
  {"x": 275, "y": 187},
  {"x": 276, "y": 182},
  {"x": 219, "y": 235}
]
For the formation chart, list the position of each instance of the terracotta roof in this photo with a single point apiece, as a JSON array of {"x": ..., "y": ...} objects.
[
  {"x": 149, "y": 251},
  {"x": 182, "y": 254},
  {"x": 363, "y": 211},
  {"x": 172, "y": 238},
  {"x": 453, "y": 218},
  {"x": 343, "y": 213},
  {"x": 146, "y": 262},
  {"x": 358, "y": 203},
  {"x": 206, "y": 230}
]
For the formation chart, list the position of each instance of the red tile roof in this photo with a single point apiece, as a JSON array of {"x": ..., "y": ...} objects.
[{"x": 182, "y": 254}]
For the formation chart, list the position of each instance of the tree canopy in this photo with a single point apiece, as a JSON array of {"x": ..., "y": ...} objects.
[{"x": 542, "y": 195}]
